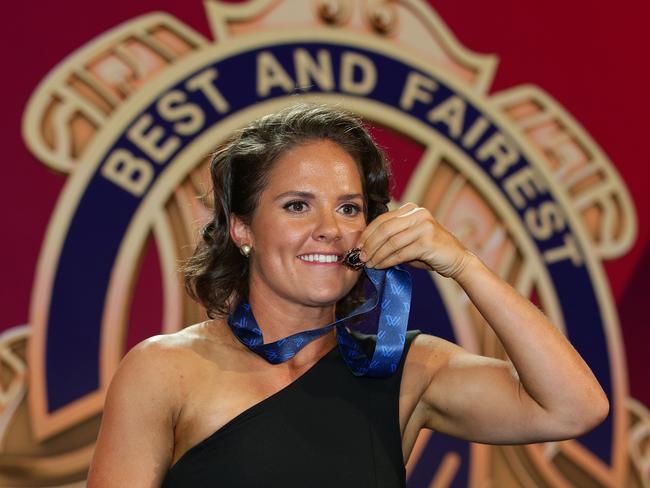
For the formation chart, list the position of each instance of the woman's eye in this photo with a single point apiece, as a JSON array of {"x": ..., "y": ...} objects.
[
  {"x": 350, "y": 209},
  {"x": 295, "y": 206}
]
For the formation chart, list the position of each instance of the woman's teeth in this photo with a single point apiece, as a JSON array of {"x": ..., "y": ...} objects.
[{"x": 320, "y": 258}]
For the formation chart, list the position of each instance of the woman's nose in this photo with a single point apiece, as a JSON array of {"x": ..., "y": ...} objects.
[{"x": 327, "y": 228}]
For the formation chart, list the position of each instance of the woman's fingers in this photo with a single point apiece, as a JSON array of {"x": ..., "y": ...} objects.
[
  {"x": 382, "y": 233},
  {"x": 398, "y": 248},
  {"x": 386, "y": 236},
  {"x": 391, "y": 237},
  {"x": 412, "y": 211},
  {"x": 375, "y": 224}
]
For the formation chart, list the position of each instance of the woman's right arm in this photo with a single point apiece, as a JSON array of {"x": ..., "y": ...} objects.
[{"x": 136, "y": 440}]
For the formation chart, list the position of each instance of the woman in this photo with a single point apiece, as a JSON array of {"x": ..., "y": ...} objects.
[{"x": 293, "y": 192}]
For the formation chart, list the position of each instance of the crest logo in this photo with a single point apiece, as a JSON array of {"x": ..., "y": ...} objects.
[{"x": 131, "y": 118}]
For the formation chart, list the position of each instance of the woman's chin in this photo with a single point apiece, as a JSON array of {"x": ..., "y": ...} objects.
[{"x": 324, "y": 299}]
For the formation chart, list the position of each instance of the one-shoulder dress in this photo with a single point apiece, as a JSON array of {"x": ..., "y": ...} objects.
[{"x": 328, "y": 428}]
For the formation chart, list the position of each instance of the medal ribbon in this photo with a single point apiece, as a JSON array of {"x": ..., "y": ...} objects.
[{"x": 393, "y": 295}]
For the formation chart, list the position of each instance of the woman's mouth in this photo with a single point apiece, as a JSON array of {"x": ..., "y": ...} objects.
[{"x": 317, "y": 258}]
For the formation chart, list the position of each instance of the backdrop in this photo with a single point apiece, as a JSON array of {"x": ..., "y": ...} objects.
[{"x": 453, "y": 90}]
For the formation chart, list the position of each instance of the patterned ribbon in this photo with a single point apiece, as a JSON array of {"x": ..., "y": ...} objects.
[{"x": 392, "y": 293}]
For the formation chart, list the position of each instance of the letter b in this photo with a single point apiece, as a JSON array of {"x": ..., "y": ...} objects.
[{"x": 127, "y": 172}]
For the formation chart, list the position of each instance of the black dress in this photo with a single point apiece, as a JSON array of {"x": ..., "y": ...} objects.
[{"x": 328, "y": 428}]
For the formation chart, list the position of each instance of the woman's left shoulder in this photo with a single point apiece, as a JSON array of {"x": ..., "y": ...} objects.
[
  {"x": 430, "y": 349},
  {"x": 426, "y": 355}
]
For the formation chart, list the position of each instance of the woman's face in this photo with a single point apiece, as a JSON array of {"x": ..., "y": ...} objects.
[{"x": 309, "y": 215}]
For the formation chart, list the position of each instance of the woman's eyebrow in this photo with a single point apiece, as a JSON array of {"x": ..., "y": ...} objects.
[
  {"x": 309, "y": 195},
  {"x": 351, "y": 196},
  {"x": 294, "y": 193}
]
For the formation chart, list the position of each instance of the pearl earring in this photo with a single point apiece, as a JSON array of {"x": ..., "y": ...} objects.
[{"x": 245, "y": 250}]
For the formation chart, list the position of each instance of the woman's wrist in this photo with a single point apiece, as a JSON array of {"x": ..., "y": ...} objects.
[{"x": 467, "y": 268}]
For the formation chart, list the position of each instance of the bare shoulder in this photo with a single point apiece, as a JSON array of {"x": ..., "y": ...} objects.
[
  {"x": 135, "y": 445},
  {"x": 431, "y": 351},
  {"x": 159, "y": 352},
  {"x": 165, "y": 362},
  {"x": 427, "y": 355},
  {"x": 170, "y": 346}
]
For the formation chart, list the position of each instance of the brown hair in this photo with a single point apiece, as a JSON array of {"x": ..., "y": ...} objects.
[{"x": 216, "y": 275}]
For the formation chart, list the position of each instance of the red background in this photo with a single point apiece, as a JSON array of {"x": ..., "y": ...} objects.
[{"x": 590, "y": 56}]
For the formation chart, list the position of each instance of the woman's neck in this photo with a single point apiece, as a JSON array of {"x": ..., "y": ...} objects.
[{"x": 278, "y": 318}]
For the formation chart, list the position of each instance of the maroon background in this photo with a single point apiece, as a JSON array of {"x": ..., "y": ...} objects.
[{"x": 590, "y": 56}]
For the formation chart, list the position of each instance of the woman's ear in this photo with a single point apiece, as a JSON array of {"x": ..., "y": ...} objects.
[{"x": 240, "y": 233}]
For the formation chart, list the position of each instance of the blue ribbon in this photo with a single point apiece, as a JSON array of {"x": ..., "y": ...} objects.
[{"x": 393, "y": 294}]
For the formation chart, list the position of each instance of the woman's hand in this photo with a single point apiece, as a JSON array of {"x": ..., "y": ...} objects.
[{"x": 411, "y": 235}]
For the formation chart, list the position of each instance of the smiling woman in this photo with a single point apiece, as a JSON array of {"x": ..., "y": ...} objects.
[
  {"x": 259, "y": 395},
  {"x": 306, "y": 136}
]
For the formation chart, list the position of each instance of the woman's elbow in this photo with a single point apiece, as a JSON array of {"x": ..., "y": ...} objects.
[
  {"x": 589, "y": 416},
  {"x": 600, "y": 411}
]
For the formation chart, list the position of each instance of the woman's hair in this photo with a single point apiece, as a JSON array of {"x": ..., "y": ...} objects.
[{"x": 216, "y": 275}]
